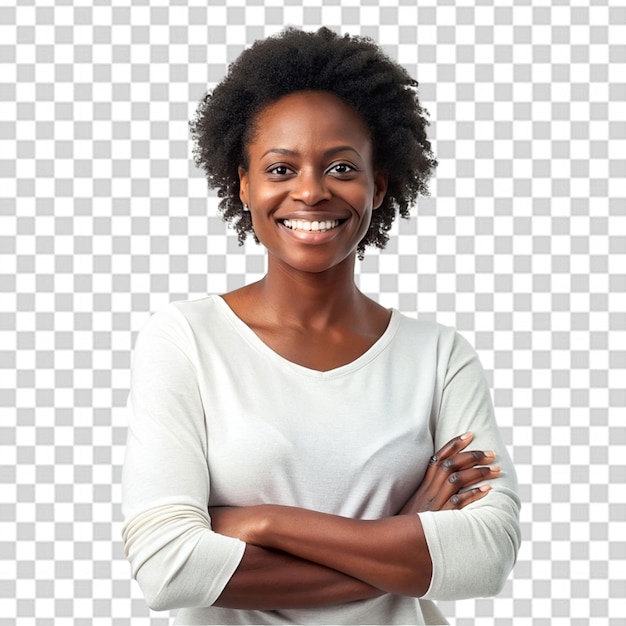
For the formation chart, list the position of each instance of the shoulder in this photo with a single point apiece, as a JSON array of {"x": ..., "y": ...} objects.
[
  {"x": 420, "y": 332},
  {"x": 182, "y": 321},
  {"x": 438, "y": 343},
  {"x": 189, "y": 311}
]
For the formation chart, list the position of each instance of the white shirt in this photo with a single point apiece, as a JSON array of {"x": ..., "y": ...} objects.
[{"x": 217, "y": 418}]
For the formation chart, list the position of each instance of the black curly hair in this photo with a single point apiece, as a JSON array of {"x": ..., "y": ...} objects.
[{"x": 354, "y": 69}]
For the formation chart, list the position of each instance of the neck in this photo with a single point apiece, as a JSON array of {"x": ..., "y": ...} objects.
[{"x": 310, "y": 299}]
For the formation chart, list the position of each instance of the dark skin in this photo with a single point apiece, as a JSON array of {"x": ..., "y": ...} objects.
[
  {"x": 321, "y": 341},
  {"x": 307, "y": 308},
  {"x": 311, "y": 187}
]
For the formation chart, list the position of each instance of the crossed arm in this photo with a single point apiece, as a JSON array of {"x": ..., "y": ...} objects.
[{"x": 300, "y": 558}]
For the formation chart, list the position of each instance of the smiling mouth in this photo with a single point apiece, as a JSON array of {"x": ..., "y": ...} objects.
[{"x": 313, "y": 226}]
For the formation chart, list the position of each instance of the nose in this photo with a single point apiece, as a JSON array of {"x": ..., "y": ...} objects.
[{"x": 310, "y": 188}]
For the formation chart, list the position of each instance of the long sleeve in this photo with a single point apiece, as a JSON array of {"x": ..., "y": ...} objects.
[
  {"x": 175, "y": 556},
  {"x": 473, "y": 550}
]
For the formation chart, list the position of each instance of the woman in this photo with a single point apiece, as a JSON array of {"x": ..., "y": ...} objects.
[{"x": 280, "y": 464}]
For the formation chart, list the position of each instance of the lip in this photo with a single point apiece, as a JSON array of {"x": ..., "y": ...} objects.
[{"x": 314, "y": 216}]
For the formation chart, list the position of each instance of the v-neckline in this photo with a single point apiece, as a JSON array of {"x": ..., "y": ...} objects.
[{"x": 368, "y": 355}]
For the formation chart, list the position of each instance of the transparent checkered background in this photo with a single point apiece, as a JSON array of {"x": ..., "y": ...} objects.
[{"x": 522, "y": 247}]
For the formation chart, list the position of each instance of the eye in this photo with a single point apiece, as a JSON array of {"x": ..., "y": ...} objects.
[
  {"x": 341, "y": 169},
  {"x": 279, "y": 170}
]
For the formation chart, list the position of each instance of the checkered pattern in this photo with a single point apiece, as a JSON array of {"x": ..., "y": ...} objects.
[{"x": 522, "y": 247}]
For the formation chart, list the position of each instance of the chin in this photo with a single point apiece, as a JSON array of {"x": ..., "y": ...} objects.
[{"x": 315, "y": 263}]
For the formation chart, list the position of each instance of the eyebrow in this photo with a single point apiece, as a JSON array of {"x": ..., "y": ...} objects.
[{"x": 327, "y": 153}]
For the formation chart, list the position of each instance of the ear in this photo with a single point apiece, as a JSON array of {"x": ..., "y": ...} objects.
[
  {"x": 380, "y": 189},
  {"x": 243, "y": 184}
]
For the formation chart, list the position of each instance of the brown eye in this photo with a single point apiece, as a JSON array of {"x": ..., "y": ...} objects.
[
  {"x": 341, "y": 168},
  {"x": 279, "y": 170}
]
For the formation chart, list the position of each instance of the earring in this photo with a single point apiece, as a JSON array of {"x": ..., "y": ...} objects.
[{"x": 245, "y": 207}]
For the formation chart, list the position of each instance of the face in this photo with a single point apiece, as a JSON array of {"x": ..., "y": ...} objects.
[{"x": 310, "y": 184}]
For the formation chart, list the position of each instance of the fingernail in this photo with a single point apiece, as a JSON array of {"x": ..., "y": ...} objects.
[
  {"x": 490, "y": 453},
  {"x": 494, "y": 468},
  {"x": 465, "y": 436},
  {"x": 485, "y": 487}
]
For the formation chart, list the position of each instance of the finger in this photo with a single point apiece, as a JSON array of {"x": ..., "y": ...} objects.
[
  {"x": 452, "y": 474},
  {"x": 465, "y": 478},
  {"x": 458, "y": 461},
  {"x": 453, "y": 446},
  {"x": 464, "y": 481},
  {"x": 461, "y": 500},
  {"x": 463, "y": 460}
]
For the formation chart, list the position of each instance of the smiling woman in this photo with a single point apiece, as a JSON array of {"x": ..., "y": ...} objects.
[{"x": 297, "y": 453}]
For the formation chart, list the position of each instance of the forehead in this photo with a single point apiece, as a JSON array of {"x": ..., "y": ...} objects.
[{"x": 319, "y": 115}]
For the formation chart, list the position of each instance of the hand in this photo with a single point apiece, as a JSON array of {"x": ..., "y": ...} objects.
[
  {"x": 238, "y": 522},
  {"x": 450, "y": 473}
]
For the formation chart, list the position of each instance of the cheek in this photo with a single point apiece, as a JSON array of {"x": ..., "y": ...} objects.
[{"x": 265, "y": 196}]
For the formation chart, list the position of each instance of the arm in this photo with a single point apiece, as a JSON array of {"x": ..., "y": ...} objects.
[
  {"x": 389, "y": 554},
  {"x": 489, "y": 527},
  {"x": 167, "y": 531},
  {"x": 266, "y": 579}
]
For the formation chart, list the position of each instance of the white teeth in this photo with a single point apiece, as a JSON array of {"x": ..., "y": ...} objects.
[{"x": 315, "y": 226}]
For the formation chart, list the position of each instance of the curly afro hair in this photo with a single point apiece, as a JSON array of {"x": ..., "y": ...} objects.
[{"x": 354, "y": 69}]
